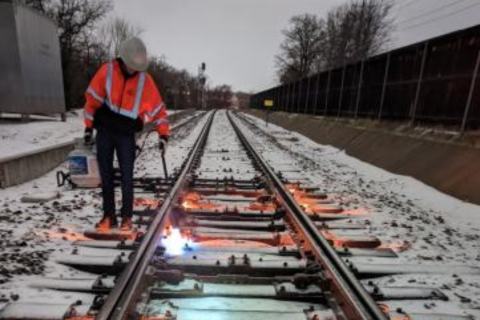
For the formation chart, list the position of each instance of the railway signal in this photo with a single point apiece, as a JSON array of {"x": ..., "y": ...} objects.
[{"x": 202, "y": 80}]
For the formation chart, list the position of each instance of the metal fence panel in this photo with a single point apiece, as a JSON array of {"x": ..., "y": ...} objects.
[{"x": 432, "y": 81}]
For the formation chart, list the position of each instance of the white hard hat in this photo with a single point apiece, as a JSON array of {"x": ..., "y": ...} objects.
[{"x": 134, "y": 54}]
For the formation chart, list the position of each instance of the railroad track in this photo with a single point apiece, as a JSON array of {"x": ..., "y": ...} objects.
[{"x": 227, "y": 237}]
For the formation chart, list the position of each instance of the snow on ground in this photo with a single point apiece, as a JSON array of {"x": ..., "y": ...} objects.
[
  {"x": 224, "y": 156},
  {"x": 18, "y": 137},
  {"x": 150, "y": 162},
  {"x": 33, "y": 236},
  {"x": 423, "y": 225}
]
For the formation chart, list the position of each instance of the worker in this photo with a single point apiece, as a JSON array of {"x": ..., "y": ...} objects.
[{"x": 121, "y": 98}]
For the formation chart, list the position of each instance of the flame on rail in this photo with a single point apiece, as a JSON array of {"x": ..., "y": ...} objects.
[
  {"x": 193, "y": 201},
  {"x": 148, "y": 203},
  {"x": 175, "y": 243}
]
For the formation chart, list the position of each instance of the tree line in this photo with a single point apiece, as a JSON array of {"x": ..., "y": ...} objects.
[
  {"x": 349, "y": 33},
  {"x": 89, "y": 36}
]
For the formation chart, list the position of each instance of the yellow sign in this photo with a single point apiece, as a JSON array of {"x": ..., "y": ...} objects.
[{"x": 268, "y": 103}]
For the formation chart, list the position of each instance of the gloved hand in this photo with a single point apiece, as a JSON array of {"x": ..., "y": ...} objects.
[
  {"x": 88, "y": 136},
  {"x": 162, "y": 144}
]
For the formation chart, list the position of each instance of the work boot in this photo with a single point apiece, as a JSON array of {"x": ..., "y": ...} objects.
[
  {"x": 126, "y": 224},
  {"x": 108, "y": 222}
]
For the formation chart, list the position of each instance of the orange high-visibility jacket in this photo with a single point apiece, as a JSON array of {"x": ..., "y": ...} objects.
[{"x": 136, "y": 97}]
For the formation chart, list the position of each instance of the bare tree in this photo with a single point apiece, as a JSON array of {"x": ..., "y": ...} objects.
[
  {"x": 115, "y": 31},
  {"x": 299, "y": 51},
  {"x": 355, "y": 31},
  {"x": 243, "y": 99},
  {"x": 374, "y": 27},
  {"x": 349, "y": 33},
  {"x": 178, "y": 87},
  {"x": 74, "y": 17},
  {"x": 40, "y": 5},
  {"x": 219, "y": 97}
]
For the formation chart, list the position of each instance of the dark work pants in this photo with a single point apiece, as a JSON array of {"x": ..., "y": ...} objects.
[{"x": 109, "y": 143}]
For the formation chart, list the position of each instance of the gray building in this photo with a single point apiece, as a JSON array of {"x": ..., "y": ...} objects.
[{"x": 31, "y": 80}]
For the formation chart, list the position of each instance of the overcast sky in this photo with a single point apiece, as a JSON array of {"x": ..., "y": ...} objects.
[{"x": 238, "y": 39}]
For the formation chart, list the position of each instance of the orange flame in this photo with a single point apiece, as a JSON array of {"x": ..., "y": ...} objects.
[
  {"x": 261, "y": 207},
  {"x": 142, "y": 202}
]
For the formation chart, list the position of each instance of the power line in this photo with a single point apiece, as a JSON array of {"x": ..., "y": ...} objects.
[
  {"x": 440, "y": 17},
  {"x": 407, "y": 4},
  {"x": 425, "y": 14}
]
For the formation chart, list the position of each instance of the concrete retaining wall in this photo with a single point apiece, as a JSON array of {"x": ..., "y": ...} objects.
[
  {"x": 27, "y": 166},
  {"x": 450, "y": 168},
  {"x": 31, "y": 165}
]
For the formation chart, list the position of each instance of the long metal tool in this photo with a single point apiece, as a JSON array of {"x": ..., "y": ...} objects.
[{"x": 164, "y": 166}]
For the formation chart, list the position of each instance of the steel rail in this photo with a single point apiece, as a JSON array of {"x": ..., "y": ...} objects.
[
  {"x": 350, "y": 295},
  {"x": 128, "y": 285}
]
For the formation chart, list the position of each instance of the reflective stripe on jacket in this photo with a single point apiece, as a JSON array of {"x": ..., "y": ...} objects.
[{"x": 135, "y": 97}]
